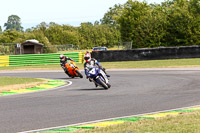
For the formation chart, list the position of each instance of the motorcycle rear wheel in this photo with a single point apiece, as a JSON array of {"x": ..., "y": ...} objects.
[{"x": 79, "y": 74}]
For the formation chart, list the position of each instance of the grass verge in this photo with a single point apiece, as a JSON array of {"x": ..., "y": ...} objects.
[
  {"x": 14, "y": 83},
  {"x": 15, "y": 80},
  {"x": 31, "y": 67},
  {"x": 154, "y": 63},
  {"x": 183, "y": 123}
]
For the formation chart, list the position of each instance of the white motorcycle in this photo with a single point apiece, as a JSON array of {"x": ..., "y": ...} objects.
[{"x": 98, "y": 77}]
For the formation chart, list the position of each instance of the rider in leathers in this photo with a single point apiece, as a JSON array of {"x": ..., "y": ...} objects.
[
  {"x": 63, "y": 61},
  {"x": 91, "y": 61}
]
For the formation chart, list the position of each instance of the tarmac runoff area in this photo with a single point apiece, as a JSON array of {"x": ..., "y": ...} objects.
[{"x": 115, "y": 121}]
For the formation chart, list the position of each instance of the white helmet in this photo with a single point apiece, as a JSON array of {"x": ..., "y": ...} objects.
[
  {"x": 62, "y": 57},
  {"x": 87, "y": 57}
]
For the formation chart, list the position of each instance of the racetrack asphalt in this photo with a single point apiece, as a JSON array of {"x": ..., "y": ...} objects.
[{"x": 133, "y": 92}]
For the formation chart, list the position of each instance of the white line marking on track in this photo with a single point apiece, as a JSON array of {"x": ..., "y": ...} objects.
[{"x": 38, "y": 130}]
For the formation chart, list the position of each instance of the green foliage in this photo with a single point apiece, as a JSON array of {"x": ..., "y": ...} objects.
[
  {"x": 111, "y": 16},
  {"x": 60, "y": 35},
  {"x": 98, "y": 35},
  {"x": 13, "y": 23},
  {"x": 11, "y": 36},
  {"x": 133, "y": 22},
  {"x": 171, "y": 23}
]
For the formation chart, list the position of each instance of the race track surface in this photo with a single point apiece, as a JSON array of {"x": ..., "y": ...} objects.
[{"x": 132, "y": 92}]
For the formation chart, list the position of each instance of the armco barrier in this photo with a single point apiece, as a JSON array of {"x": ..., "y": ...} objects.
[
  {"x": 37, "y": 59},
  {"x": 4, "y": 60}
]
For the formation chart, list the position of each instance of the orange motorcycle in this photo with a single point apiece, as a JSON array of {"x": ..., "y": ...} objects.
[{"x": 73, "y": 69}]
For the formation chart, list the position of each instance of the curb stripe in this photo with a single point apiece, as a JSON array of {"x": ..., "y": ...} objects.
[
  {"x": 114, "y": 121},
  {"x": 49, "y": 85}
]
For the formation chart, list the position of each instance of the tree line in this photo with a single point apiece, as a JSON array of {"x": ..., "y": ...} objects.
[{"x": 171, "y": 23}]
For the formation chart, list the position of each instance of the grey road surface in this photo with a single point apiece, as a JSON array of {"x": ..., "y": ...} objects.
[{"x": 132, "y": 92}]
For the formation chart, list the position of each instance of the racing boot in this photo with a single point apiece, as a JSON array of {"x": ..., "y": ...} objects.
[
  {"x": 96, "y": 85},
  {"x": 109, "y": 85},
  {"x": 104, "y": 70}
]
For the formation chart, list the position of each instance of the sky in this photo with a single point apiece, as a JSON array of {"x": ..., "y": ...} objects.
[{"x": 69, "y": 12}]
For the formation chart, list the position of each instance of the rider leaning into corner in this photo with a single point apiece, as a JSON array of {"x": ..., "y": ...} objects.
[
  {"x": 63, "y": 61},
  {"x": 91, "y": 61}
]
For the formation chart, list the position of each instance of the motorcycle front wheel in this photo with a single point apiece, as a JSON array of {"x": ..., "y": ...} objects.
[{"x": 102, "y": 83}]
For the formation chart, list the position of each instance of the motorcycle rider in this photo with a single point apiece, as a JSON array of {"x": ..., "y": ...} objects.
[
  {"x": 63, "y": 61},
  {"x": 91, "y": 61}
]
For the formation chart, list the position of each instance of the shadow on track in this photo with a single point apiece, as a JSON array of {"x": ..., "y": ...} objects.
[
  {"x": 91, "y": 89},
  {"x": 68, "y": 78}
]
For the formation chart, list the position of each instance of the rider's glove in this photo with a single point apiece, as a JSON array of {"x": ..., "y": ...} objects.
[{"x": 100, "y": 67}]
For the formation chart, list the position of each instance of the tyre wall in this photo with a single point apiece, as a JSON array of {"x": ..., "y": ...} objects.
[{"x": 147, "y": 54}]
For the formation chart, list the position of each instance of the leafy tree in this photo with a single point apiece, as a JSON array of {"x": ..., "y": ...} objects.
[
  {"x": 131, "y": 21},
  {"x": 42, "y": 26},
  {"x": 13, "y": 23},
  {"x": 29, "y": 29},
  {"x": 194, "y": 7},
  {"x": 97, "y": 35},
  {"x": 85, "y": 31},
  {"x": 52, "y": 23},
  {"x": 96, "y": 23},
  {"x": 11, "y": 36},
  {"x": 194, "y": 10},
  {"x": 173, "y": 23},
  {"x": 111, "y": 16},
  {"x": 179, "y": 27},
  {"x": 153, "y": 27},
  {"x": 59, "y": 35}
]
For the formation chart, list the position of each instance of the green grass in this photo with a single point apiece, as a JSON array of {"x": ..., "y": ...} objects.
[
  {"x": 184, "y": 123},
  {"x": 154, "y": 63},
  {"x": 4, "y": 81},
  {"x": 31, "y": 67},
  {"x": 195, "y": 62}
]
